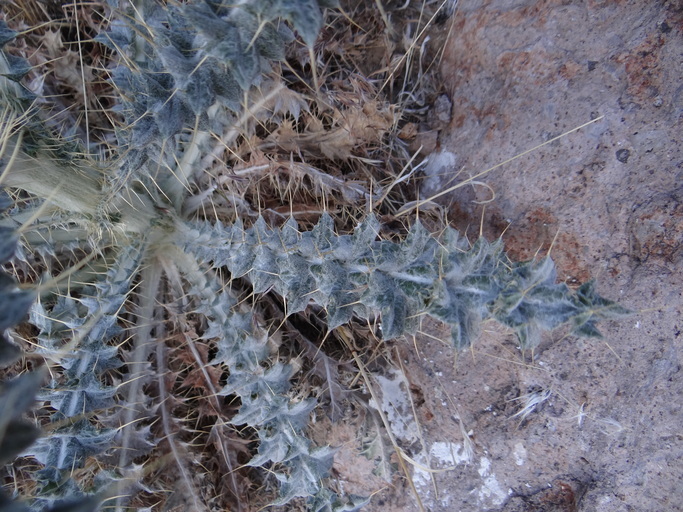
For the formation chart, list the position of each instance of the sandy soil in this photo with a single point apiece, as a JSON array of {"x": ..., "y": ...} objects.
[{"x": 607, "y": 437}]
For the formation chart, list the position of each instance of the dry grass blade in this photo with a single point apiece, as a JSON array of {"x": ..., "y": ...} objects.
[{"x": 473, "y": 178}]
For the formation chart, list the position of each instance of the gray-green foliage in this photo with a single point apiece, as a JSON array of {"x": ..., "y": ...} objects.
[
  {"x": 17, "y": 433},
  {"x": 192, "y": 63},
  {"x": 14, "y": 303},
  {"x": 17, "y": 395},
  {"x": 186, "y": 68},
  {"x": 79, "y": 391},
  {"x": 363, "y": 276},
  {"x": 263, "y": 392}
]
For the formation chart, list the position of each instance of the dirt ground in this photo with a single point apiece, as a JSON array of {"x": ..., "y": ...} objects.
[{"x": 606, "y": 435}]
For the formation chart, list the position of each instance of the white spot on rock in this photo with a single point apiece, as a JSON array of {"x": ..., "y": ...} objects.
[
  {"x": 396, "y": 405},
  {"x": 491, "y": 491},
  {"x": 520, "y": 454}
]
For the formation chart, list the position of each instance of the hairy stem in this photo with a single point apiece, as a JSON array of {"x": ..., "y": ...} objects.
[{"x": 150, "y": 278}]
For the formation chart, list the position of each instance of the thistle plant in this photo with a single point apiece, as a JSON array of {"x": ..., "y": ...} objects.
[{"x": 147, "y": 263}]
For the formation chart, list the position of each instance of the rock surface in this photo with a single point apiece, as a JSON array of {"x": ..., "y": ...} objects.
[{"x": 607, "y": 201}]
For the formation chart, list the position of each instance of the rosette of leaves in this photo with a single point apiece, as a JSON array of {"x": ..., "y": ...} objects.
[
  {"x": 80, "y": 333},
  {"x": 184, "y": 71}
]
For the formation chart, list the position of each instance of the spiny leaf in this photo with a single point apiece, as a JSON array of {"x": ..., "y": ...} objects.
[
  {"x": 306, "y": 17},
  {"x": 16, "y": 397},
  {"x": 358, "y": 274},
  {"x": 14, "y": 303},
  {"x": 324, "y": 501},
  {"x": 5, "y": 201},
  {"x": 17, "y": 68},
  {"x": 68, "y": 447},
  {"x": 6, "y": 34},
  {"x": 302, "y": 481}
]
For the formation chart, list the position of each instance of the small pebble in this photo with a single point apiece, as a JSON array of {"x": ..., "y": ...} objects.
[{"x": 623, "y": 155}]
